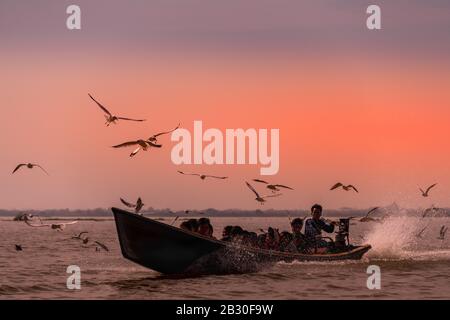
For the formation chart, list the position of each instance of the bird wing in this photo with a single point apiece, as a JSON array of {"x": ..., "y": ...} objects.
[
  {"x": 39, "y": 166},
  {"x": 337, "y": 185},
  {"x": 176, "y": 218},
  {"x": 430, "y": 187},
  {"x": 126, "y": 144},
  {"x": 166, "y": 132},
  {"x": 37, "y": 225},
  {"x": 67, "y": 223},
  {"x": 139, "y": 205},
  {"x": 251, "y": 188},
  {"x": 188, "y": 173},
  {"x": 272, "y": 195},
  {"x": 216, "y": 177},
  {"x": 371, "y": 210},
  {"x": 135, "y": 152},
  {"x": 421, "y": 231},
  {"x": 130, "y": 205},
  {"x": 351, "y": 186},
  {"x": 282, "y": 186},
  {"x": 154, "y": 145},
  {"x": 102, "y": 245},
  {"x": 261, "y": 181},
  {"x": 19, "y": 166},
  {"x": 129, "y": 119},
  {"x": 100, "y": 105}
]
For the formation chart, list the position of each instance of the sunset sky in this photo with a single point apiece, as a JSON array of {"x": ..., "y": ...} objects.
[{"x": 371, "y": 108}]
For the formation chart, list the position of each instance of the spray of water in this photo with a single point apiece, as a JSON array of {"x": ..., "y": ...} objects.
[{"x": 397, "y": 238}]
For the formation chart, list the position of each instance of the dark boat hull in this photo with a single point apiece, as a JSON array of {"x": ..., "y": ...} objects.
[{"x": 171, "y": 250}]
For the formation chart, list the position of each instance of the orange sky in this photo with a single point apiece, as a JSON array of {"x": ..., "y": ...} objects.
[{"x": 381, "y": 124}]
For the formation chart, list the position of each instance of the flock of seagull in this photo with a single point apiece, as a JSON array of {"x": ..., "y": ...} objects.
[{"x": 152, "y": 142}]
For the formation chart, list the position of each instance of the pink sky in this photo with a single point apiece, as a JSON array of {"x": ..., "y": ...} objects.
[
  {"x": 382, "y": 126},
  {"x": 361, "y": 107}
]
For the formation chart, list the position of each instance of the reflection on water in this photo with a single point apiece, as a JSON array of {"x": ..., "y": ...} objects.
[{"x": 411, "y": 267}]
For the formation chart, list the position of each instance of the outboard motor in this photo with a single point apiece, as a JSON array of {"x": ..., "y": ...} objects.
[{"x": 342, "y": 236}]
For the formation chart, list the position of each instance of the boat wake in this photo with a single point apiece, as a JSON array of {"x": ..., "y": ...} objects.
[{"x": 400, "y": 238}]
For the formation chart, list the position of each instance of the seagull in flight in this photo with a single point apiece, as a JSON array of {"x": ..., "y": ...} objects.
[
  {"x": 346, "y": 188},
  {"x": 97, "y": 244},
  {"x": 431, "y": 210},
  {"x": 142, "y": 145},
  {"x": 18, "y": 247},
  {"x": 109, "y": 117},
  {"x": 79, "y": 236},
  {"x": 137, "y": 206},
  {"x": 366, "y": 218},
  {"x": 202, "y": 176},
  {"x": 442, "y": 233},
  {"x": 273, "y": 187},
  {"x": 425, "y": 193},
  {"x": 100, "y": 246},
  {"x": 176, "y": 218},
  {"x": 154, "y": 138},
  {"x": 54, "y": 226},
  {"x": 24, "y": 216},
  {"x": 419, "y": 235},
  {"x": 29, "y": 166},
  {"x": 259, "y": 198}
]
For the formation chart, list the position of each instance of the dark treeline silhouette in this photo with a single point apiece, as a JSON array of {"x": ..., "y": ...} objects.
[{"x": 343, "y": 212}]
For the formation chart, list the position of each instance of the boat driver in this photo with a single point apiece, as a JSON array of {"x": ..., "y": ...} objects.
[{"x": 314, "y": 227}]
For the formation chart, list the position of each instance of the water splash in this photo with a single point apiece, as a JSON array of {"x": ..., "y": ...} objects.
[{"x": 397, "y": 238}]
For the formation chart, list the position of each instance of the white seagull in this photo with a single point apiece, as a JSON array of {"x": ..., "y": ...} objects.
[
  {"x": 430, "y": 210},
  {"x": 346, "y": 188},
  {"x": 273, "y": 187},
  {"x": 54, "y": 226},
  {"x": 79, "y": 236},
  {"x": 419, "y": 235},
  {"x": 154, "y": 138},
  {"x": 259, "y": 198},
  {"x": 137, "y": 207},
  {"x": 202, "y": 176},
  {"x": 425, "y": 193},
  {"x": 442, "y": 233},
  {"x": 109, "y": 117},
  {"x": 366, "y": 218},
  {"x": 29, "y": 166},
  {"x": 142, "y": 144}
]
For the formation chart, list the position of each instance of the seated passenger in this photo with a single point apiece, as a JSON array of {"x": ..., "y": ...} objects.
[
  {"x": 236, "y": 233},
  {"x": 226, "y": 233},
  {"x": 314, "y": 227},
  {"x": 190, "y": 225},
  {"x": 287, "y": 243},
  {"x": 272, "y": 239},
  {"x": 205, "y": 228},
  {"x": 262, "y": 241},
  {"x": 253, "y": 239},
  {"x": 299, "y": 238}
]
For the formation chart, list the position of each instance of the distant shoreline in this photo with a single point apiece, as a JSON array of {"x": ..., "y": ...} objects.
[{"x": 93, "y": 214}]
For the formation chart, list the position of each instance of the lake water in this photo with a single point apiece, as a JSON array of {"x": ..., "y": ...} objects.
[{"x": 411, "y": 267}]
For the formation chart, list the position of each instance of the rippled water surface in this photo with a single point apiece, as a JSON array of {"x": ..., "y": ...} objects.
[{"x": 411, "y": 268}]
